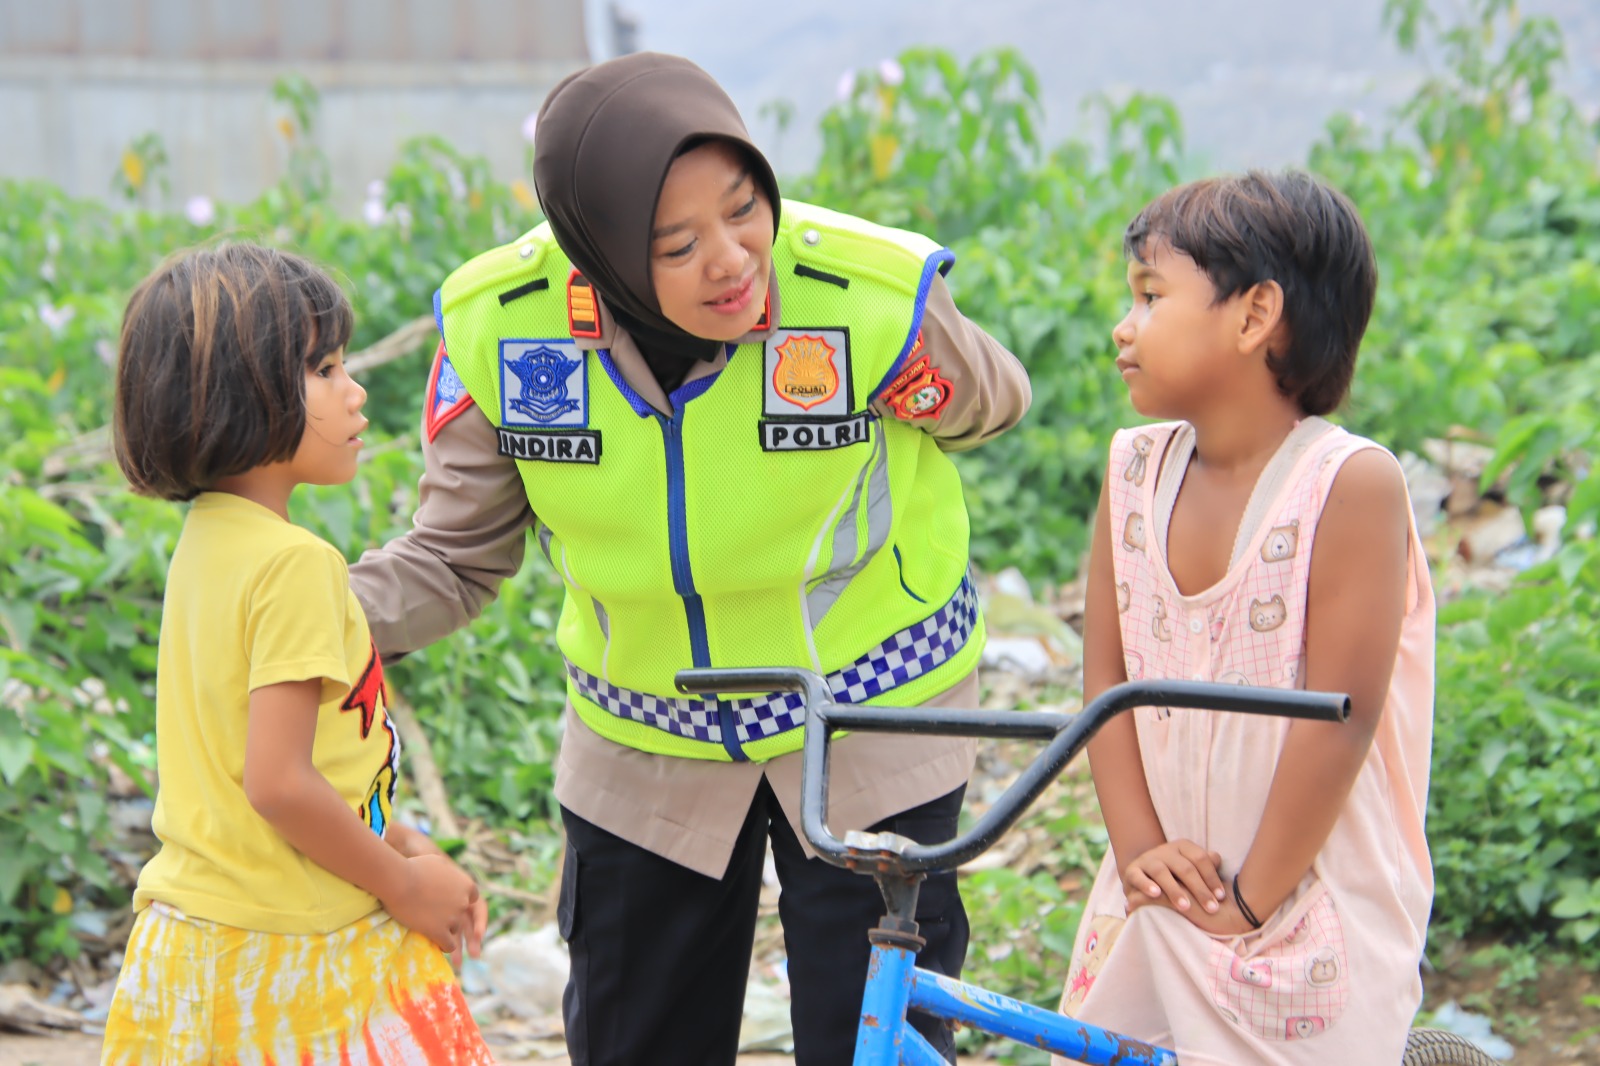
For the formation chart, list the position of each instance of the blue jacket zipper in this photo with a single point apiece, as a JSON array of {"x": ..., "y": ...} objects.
[{"x": 683, "y": 574}]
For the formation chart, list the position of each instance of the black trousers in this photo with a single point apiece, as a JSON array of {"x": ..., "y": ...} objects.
[{"x": 661, "y": 954}]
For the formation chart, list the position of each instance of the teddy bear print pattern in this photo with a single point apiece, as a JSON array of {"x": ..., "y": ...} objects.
[
  {"x": 1138, "y": 464},
  {"x": 1265, "y": 617},
  {"x": 1102, "y": 934},
  {"x": 1281, "y": 543},
  {"x": 1306, "y": 988},
  {"x": 1249, "y": 629},
  {"x": 1162, "y": 625},
  {"x": 1133, "y": 533},
  {"x": 1295, "y": 984}
]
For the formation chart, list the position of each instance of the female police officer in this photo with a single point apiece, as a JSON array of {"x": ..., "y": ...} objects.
[{"x": 724, "y": 415}]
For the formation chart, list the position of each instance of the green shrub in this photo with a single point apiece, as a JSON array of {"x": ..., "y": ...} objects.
[
  {"x": 1483, "y": 200},
  {"x": 1514, "y": 821}
]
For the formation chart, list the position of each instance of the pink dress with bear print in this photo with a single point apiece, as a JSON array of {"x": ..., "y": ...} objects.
[{"x": 1332, "y": 977}]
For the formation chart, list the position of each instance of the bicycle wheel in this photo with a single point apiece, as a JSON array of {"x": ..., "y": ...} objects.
[{"x": 1435, "y": 1047}]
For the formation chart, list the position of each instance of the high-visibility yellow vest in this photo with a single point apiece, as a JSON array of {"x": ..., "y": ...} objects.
[{"x": 773, "y": 520}]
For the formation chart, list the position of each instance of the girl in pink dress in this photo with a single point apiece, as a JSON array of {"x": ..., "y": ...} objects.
[{"x": 1266, "y": 893}]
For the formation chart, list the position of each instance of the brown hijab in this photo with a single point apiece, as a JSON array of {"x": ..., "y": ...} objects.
[{"x": 604, "y": 140}]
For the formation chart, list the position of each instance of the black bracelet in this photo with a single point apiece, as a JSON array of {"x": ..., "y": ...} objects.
[{"x": 1244, "y": 908}]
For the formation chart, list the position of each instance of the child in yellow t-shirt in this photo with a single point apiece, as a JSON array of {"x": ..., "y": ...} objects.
[{"x": 286, "y": 917}]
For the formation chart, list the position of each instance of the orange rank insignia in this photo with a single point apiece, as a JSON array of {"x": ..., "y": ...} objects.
[
  {"x": 583, "y": 318},
  {"x": 805, "y": 375},
  {"x": 918, "y": 391}
]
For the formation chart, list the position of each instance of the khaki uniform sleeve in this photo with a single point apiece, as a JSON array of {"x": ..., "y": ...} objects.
[
  {"x": 988, "y": 387},
  {"x": 468, "y": 535}
]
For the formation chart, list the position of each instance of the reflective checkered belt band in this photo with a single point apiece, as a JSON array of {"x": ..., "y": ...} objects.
[{"x": 907, "y": 655}]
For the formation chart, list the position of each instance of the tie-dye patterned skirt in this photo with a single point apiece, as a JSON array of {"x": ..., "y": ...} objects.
[{"x": 197, "y": 993}]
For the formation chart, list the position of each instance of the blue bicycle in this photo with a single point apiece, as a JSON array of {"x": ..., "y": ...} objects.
[{"x": 894, "y": 983}]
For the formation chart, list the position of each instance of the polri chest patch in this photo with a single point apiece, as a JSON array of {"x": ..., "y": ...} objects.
[
  {"x": 544, "y": 402},
  {"x": 807, "y": 373},
  {"x": 808, "y": 400}
]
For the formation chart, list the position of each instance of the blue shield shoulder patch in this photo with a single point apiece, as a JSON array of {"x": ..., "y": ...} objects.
[
  {"x": 447, "y": 396},
  {"x": 544, "y": 384}
]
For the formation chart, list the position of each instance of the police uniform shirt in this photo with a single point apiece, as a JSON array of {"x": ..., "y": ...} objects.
[{"x": 469, "y": 534}]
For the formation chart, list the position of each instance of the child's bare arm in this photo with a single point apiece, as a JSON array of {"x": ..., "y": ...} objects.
[
  {"x": 1119, "y": 779},
  {"x": 428, "y": 893},
  {"x": 1355, "y": 607}
]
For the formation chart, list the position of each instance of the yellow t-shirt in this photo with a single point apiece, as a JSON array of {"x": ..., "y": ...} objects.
[{"x": 253, "y": 600}]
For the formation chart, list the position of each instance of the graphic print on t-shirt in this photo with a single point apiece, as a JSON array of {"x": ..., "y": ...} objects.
[{"x": 370, "y": 696}]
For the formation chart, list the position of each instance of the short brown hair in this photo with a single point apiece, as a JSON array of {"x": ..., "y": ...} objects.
[
  {"x": 211, "y": 369},
  {"x": 1291, "y": 228}
]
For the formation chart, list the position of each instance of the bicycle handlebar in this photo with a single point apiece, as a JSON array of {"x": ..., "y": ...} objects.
[{"x": 1067, "y": 733}]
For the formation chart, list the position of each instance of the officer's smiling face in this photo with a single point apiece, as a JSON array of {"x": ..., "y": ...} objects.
[{"x": 711, "y": 244}]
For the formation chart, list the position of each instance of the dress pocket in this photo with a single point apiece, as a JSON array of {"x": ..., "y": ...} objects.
[
  {"x": 1089, "y": 958},
  {"x": 1292, "y": 980}
]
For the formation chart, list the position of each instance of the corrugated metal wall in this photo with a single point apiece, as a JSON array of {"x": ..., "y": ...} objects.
[{"x": 80, "y": 79}]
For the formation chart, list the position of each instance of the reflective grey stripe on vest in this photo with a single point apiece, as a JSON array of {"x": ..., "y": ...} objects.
[
  {"x": 874, "y": 479},
  {"x": 604, "y": 619},
  {"x": 909, "y": 654}
]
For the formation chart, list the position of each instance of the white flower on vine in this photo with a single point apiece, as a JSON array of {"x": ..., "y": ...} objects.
[
  {"x": 91, "y": 692},
  {"x": 846, "y": 87},
  {"x": 891, "y": 72},
  {"x": 201, "y": 211},
  {"x": 376, "y": 189},
  {"x": 15, "y": 695},
  {"x": 55, "y": 317},
  {"x": 374, "y": 212}
]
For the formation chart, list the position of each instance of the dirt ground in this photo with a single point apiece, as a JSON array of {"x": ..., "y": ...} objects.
[
  {"x": 1553, "y": 1022},
  {"x": 72, "y": 1049},
  {"x": 1560, "y": 1027}
]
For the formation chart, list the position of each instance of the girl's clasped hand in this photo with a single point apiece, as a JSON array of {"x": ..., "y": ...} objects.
[{"x": 1187, "y": 878}]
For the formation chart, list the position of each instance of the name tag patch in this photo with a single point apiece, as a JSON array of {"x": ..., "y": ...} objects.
[
  {"x": 815, "y": 435},
  {"x": 543, "y": 384},
  {"x": 559, "y": 446},
  {"x": 807, "y": 373}
]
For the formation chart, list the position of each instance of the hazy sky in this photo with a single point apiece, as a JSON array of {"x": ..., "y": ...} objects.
[{"x": 1254, "y": 79}]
